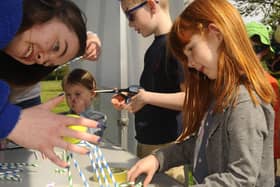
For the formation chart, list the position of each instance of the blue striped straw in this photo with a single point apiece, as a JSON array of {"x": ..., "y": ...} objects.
[
  {"x": 98, "y": 160},
  {"x": 80, "y": 171},
  {"x": 10, "y": 177},
  {"x": 16, "y": 164},
  {"x": 103, "y": 160},
  {"x": 107, "y": 166},
  {"x": 95, "y": 169}
]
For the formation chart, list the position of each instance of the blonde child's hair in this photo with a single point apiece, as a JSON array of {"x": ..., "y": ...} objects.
[{"x": 79, "y": 76}]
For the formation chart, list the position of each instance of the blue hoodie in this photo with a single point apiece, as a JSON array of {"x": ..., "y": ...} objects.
[
  {"x": 10, "y": 20},
  {"x": 9, "y": 114}
]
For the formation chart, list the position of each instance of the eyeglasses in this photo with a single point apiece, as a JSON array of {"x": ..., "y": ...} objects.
[{"x": 129, "y": 13}]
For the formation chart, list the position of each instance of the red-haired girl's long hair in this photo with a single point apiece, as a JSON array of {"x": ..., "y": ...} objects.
[{"x": 237, "y": 63}]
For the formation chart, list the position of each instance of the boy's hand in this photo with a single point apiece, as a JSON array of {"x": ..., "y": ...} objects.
[{"x": 118, "y": 101}]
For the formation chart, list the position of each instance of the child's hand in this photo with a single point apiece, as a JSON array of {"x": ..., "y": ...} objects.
[{"x": 148, "y": 165}]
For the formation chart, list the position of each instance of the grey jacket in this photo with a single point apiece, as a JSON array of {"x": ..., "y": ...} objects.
[{"x": 239, "y": 150}]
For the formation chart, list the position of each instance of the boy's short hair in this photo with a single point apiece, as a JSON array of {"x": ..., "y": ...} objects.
[{"x": 164, "y": 4}]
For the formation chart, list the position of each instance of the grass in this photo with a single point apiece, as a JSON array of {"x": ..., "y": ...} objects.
[{"x": 51, "y": 89}]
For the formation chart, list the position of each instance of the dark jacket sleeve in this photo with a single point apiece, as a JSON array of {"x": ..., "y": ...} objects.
[
  {"x": 176, "y": 154},
  {"x": 9, "y": 114}
]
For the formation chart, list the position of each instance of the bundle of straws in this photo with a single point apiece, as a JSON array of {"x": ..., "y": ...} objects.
[
  {"x": 99, "y": 166},
  {"x": 9, "y": 171}
]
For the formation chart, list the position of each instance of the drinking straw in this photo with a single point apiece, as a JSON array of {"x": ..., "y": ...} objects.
[
  {"x": 98, "y": 160},
  {"x": 11, "y": 175},
  {"x": 95, "y": 169},
  {"x": 102, "y": 159},
  {"x": 70, "y": 178},
  {"x": 9, "y": 170},
  {"x": 79, "y": 170},
  {"x": 107, "y": 166}
]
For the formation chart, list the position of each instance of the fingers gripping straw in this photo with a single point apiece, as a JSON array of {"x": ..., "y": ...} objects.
[{"x": 77, "y": 128}]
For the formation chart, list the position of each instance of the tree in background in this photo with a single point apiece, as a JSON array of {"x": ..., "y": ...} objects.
[{"x": 270, "y": 9}]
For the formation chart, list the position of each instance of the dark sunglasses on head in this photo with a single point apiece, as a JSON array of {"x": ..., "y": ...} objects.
[{"x": 129, "y": 13}]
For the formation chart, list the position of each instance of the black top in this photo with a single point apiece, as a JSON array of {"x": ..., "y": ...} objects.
[
  {"x": 156, "y": 125},
  {"x": 14, "y": 72}
]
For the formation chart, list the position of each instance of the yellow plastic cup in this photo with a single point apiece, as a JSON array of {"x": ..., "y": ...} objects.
[
  {"x": 74, "y": 127},
  {"x": 120, "y": 175}
]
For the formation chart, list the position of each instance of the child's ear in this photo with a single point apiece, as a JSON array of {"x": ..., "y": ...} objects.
[
  {"x": 213, "y": 29},
  {"x": 93, "y": 93},
  {"x": 152, "y": 5}
]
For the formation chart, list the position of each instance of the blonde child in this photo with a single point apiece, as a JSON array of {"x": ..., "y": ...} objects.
[{"x": 79, "y": 86}]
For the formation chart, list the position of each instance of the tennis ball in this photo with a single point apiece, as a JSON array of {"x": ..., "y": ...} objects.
[{"x": 77, "y": 128}]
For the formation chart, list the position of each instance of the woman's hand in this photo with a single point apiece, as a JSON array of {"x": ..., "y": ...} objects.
[
  {"x": 39, "y": 128},
  {"x": 148, "y": 165},
  {"x": 93, "y": 48}
]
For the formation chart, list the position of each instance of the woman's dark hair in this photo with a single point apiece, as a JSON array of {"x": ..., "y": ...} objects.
[{"x": 37, "y": 12}]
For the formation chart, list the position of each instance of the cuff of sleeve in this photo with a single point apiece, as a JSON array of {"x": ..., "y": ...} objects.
[
  {"x": 160, "y": 157},
  {"x": 8, "y": 119}
]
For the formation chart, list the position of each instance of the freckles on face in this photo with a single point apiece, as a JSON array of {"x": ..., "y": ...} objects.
[{"x": 50, "y": 43}]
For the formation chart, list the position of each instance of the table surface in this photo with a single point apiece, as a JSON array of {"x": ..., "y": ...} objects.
[{"x": 45, "y": 174}]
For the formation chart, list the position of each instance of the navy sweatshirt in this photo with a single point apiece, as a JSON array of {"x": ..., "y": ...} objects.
[{"x": 9, "y": 114}]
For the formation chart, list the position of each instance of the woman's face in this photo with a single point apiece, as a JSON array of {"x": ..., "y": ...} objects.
[
  {"x": 51, "y": 43},
  {"x": 78, "y": 97},
  {"x": 202, "y": 54}
]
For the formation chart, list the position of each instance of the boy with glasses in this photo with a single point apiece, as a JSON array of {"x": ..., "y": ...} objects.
[{"x": 157, "y": 106}]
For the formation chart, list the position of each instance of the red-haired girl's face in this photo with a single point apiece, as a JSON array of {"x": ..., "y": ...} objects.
[{"x": 202, "y": 53}]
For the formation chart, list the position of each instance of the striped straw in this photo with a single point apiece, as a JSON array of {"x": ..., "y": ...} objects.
[
  {"x": 16, "y": 164},
  {"x": 107, "y": 166},
  {"x": 11, "y": 177},
  {"x": 102, "y": 158},
  {"x": 70, "y": 178},
  {"x": 77, "y": 59},
  {"x": 63, "y": 156},
  {"x": 95, "y": 169},
  {"x": 79, "y": 170},
  {"x": 98, "y": 160}
]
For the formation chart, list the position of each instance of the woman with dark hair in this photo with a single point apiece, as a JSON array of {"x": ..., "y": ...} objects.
[
  {"x": 36, "y": 36},
  {"x": 62, "y": 26}
]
